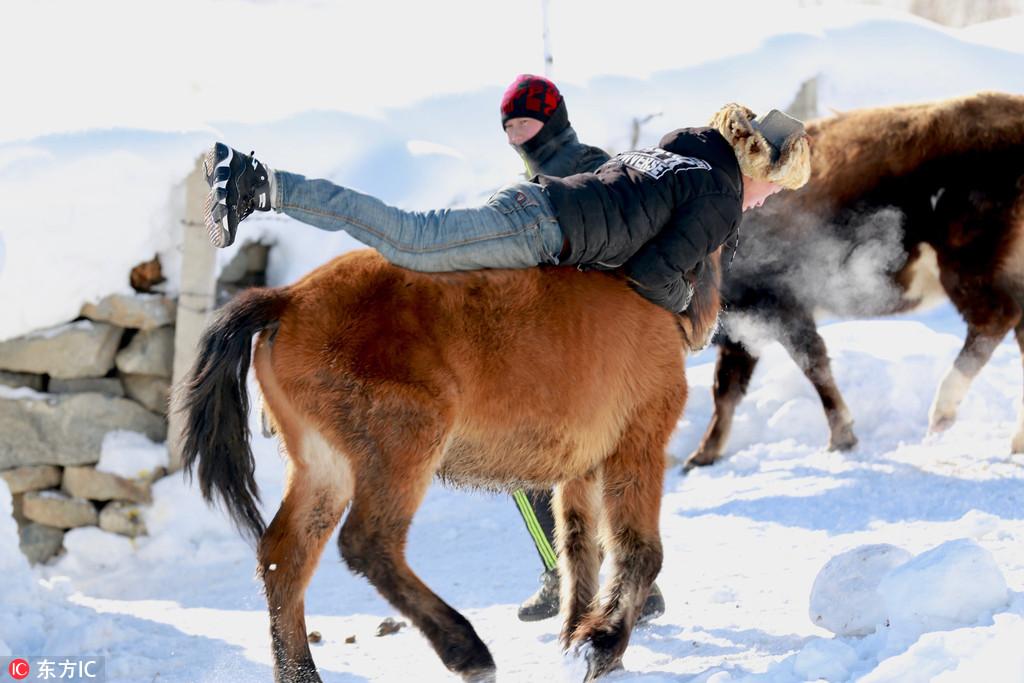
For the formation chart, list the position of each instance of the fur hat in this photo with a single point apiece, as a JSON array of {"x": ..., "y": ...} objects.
[{"x": 774, "y": 147}]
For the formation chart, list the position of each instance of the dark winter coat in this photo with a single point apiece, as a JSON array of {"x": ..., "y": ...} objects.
[
  {"x": 656, "y": 213},
  {"x": 556, "y": 151}
]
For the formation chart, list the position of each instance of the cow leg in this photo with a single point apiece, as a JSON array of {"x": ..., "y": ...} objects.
[
  {"x": 1017, "y": 444},
  {"x": 990, "y": 313},
  {"x": 733, "y": 371},
  {"x": 805, "y": 346},
  {"x": 577, "y": 508},
  {"x": 976, "y": 351}
]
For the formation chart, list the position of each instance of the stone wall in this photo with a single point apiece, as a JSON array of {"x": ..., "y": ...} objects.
[{"x": 62, "y": 390}]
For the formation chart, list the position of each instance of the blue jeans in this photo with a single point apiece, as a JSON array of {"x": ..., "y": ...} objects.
[{"x": 516, "y": 228}]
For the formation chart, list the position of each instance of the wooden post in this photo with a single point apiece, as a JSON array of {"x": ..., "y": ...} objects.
[
  {"x": 805, "y": 105},
  {"x": 197, "y": 298}
]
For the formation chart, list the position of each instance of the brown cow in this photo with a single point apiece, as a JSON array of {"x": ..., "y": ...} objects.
[
  {"x": 378, "y": 379},
  {"x": 904, "y": 204}
]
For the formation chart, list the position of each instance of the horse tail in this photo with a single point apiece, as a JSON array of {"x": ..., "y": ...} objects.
[{"x": 215, "y": 402}]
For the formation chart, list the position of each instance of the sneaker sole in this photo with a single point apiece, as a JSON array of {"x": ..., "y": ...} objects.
[{"x": 217, "y": 166}]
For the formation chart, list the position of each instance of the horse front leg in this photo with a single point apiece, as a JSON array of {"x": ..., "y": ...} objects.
[{"x": 631, "y": 495}]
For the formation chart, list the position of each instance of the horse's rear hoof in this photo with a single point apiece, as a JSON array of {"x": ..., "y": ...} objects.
[
  {"x": 472, "y": 661},
  {"x": 480, "y": 676},
  {"x": 304, "y": 673},
  {"x": 697, "y": 459}
]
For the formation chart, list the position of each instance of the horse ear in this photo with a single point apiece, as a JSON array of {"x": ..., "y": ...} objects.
[{"x": 699, "y": 321}]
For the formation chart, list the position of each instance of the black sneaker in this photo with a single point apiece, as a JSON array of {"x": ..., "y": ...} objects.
[
  {"x": 239, "y": 185},
  {"x": 544, "y": 603}
]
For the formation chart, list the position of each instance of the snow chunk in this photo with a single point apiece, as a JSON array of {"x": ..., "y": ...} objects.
[
  {"x": 845, "y": 597},
  {"x": 19, "y": 618},
  {"x": 130, "y": 455},
  {"x": 955, "y": 584},
  {"x": 97, "y": 548},
  {"x": 18, "y": 393},
  {"x": 963, "y": 655},
  {"x": 12, "y": 562},
  {"x": 57, "y": 330},
  {"x": 825, "y": 659}
]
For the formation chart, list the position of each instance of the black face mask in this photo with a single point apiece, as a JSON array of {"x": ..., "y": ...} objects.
[{"x": 558, "y": 122}]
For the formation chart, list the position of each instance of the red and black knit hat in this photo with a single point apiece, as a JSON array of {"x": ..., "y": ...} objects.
[{"x": 529, "y": 96}]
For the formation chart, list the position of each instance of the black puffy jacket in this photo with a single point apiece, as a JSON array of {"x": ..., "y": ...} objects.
[
  {"x": 556, "y": 151},
  {"x": 656, "y": 213}
]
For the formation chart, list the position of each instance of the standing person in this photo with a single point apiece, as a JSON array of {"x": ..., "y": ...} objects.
[{"x": 536, "y": 121}]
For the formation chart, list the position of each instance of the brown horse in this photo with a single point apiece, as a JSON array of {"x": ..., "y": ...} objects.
[
  {"x": 378, "y": 379},
  {"x": 905, "y": 204}
]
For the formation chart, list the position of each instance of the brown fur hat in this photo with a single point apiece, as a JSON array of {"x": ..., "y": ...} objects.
[{"x": 788, "y": 163}]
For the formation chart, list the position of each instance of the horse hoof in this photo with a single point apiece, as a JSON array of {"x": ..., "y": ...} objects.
[
  {"x": 480, "y": 676},
  {"x": 600, "y": 663},
  {"x": 298, "y": 674},
  {"x": 698, "y": 459}
]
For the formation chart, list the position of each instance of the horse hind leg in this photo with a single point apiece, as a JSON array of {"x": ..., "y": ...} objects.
[
  {"x": 373, "y": 538},
  {"x": 318, "y": 486},
  {"x": 577, "y": 509}
]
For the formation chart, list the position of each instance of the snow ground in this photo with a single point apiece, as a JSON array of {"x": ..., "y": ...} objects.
[{"x": 744, "y": 542}]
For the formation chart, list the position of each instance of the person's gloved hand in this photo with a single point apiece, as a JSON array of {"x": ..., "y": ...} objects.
[{"x": 673, "y": 294}]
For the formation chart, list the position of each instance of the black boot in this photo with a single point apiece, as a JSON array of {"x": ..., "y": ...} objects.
[
  {"x": 239, "y": 185},
  {"x": 544, "y": 603},
  {"x": 653, "y": 607}
]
